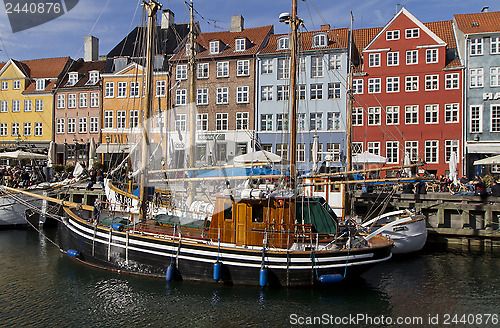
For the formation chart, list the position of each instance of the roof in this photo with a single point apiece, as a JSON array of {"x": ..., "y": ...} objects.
[
  {"x": 83, "y": 68},
  {"x": 444, "y": 30},
  {"x": 49, "y": 68},
  {"x": 478, "y": 22},
  {"x": 337, "y": 39},
  {"x": 361, "y": 38}
]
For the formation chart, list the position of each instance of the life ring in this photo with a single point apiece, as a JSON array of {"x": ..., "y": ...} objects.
[{"x": 280, "y": 202}]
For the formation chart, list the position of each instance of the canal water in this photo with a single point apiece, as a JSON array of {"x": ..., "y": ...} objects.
[{"x": 41, "y": 287}]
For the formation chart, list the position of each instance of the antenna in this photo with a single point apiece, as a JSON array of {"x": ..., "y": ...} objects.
[
  {"x": 398, "y": 5},
  {"x": 214, "y": 24}
]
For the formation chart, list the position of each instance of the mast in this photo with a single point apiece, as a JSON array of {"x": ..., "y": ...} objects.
[
  {"x": 295, "y": 22},
  {"x": 347, "y": 194},
  {"x": 192, "y": 99},
  {"x": 152, "y": 7}
]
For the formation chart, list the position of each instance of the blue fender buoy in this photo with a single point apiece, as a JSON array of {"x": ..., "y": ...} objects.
[
  {"x": 217, "y": 270},
  {"x": 331, "y": 278},
  {"x": 263, "y": 277},
  {"x": 73, "y": 253},
  {"x": 170, "y": 273},
  {"x": 117, "y": 226}
]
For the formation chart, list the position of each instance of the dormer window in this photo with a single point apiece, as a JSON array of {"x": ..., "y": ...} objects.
[
  {"x": 214, "y": 47},
  {"x": 93, "y": 78},
  {"x": 241, "y": 45},
  {"x": 320, "y": 40},
  {"x": 392, "y": 35},
  {"x": 40, "y": 85},
  {"x": 72, "y": 79},
  {"x": 284, "y": 43}
]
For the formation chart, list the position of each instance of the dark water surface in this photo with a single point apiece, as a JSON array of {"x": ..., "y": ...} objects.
[{"x": 42, "y": 287}]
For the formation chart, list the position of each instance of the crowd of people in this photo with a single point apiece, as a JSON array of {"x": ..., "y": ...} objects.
[{"x": 20, "y": 177}]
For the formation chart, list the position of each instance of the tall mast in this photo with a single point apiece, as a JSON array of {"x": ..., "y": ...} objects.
[
  {"x": 348, "y": 203},
  {"x": 295, "y": 22},
  {"x": 192, "y": 99},
  {"x": 152, "y": 7}
]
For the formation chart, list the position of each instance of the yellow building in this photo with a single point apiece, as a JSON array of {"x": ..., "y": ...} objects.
[{"x": 27, "y": 102}]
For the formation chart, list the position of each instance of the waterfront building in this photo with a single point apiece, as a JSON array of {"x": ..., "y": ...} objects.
[
  {"x": 478, "y": 37},
  {"x": 408, "y": 93},
  {"x": 225, "y": 93},
  {"x": 322, "y": 86},
  {"x": 27, "y": 102}
]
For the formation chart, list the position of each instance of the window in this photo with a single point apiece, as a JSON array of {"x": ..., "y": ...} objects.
[
  {"x": 4, "y": 106},
  {"x": 121, "y": 118},
  {"x": 94, "y": 125},
  {"x": 333, "y": 121},
  {"x": 320, "y": 40},
  {"x": 3, "y": 129},
  {"x": 357, "y": 86},
  {"x": 202, "y": 96},
  {"x": 412, "y": 33},
  {"x": 16, "y": 84},
  {"x": 266, "y": 93},
  {"x": 72, "y": 100},
  {"x": 302, "y": 64},
  {"x": 93, "y": 78},
  {"x": 302, "y": 91},
  {"x": 282, "y": 122},
  {"x": 284, "y": 43},
  {"x": 411, "y": 148},
  {"x": 108, "y": 119},
  {"x": 94, "y": 99},
  {"x": 374, "y": 115},
  {"x": 334, "y": 90},
  {"x": 15, "y": 106},
  {"x": 392, "y": 84},
  {"x": 411, "y": 57},
  {"x": 82, "y": 125},
  {"x": 451, "y": 113},
  {"x": 357, "y": 148},
  {"x": 181, "y": 72},
  {"x": 5, "y": 85},
  {"x": 27, "y": 105},
  {"x": 301, "y": 121},
  {"x": 374, "y": 85},
  {"x": 72, "y": 125},
  {"x": 301, "y": 152},
  {"x": 373, "y": 147},
  {"x": 266, "y": 122},
  {"x": 316, "y": 66},
  {"x": 411, "y": 83},
  {"x": 122, "y": 89},
  {"x": 243, "y": 68},
  {"x": 180, "y": 97},
  {"x": 357, "y": 116},
  {"x": 133, "y": 118},
  {"x": 450, "y": 146},
  {"x": 392, "y": 152},
  {"x": 431, "y": 151},
  {"x": 202, "y": 71},
  {"x": 317, "y": 91},
  {"x": 222, "y": 95},
  {"x": 495, "y": 118},
  {"x": 431, "y": 114},
  {"x": 83, "y": 100},
  {"x": 476, "y": 78},
  {"x": 214, "y": 47},
  {"x": 494, "y": 46},
  {"x": 109, "y": 90},
  {"x": 334, "y": 150},
  {"x": 476, "y": 119},
  {"x": 242, "y": 94},
  {"x": 392, "y": 115},
  {"x": 451, "y": 81},
  {"x": 223, "y": 69},
  {"x": 242, "y": 121},
  {"x": 241, "y": 45},
  {"x": 411, "y": 114},
  {"x": 221, "y": 121},
  {"x": 392, "y": 35},
  {"x": 202, "y": 122},
  {"x": 431, "y": 56},
  {"x": 161, "y": 88},
  {"x": 72, "y": 79},
  {"x": 38, "y": 129},
  {"x": 267, "y": 66},
  {"x": 476, "y": 46},
  {"x": 283, "y": 68},
  {"x": 39, "y": 105},
  {"x": 335, "y": 62},
  {"x": 180, "y": 122},
  {"x": 27, "y": 129},
  {"x": 15, "y": 129},
  {"x": 316, "y": 121},
  {"x": 431, "y": 82},
  {"x": 495, "y": 76},
  {"x": 282, "y": 93},
  {"x": 393, "y": 58},
  {"x": 40, "y": 85},
  {"x": 374, "y": 60},
  {"x": 134, "y": 89}
]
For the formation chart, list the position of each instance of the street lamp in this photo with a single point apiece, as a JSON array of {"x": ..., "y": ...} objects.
[{"x": 108, "y": 139}]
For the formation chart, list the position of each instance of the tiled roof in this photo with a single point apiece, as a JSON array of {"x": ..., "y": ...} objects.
[
  {"x": 31, "y": 88},
  {"x": 444, "y": 30},
  {"x": 83, "y": 68},
  {"x": 478, "y": 22},
  {"x": 49, "y": 68},
  {"x": 361, "y": 38},
  {"x": 337, "y": 39}
]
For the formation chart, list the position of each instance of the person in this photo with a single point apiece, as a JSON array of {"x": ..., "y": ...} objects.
[
  {"x": 479, "y": 189},
  {"x": 92, "y": 179},
  {"x": 100, "y": 178},
  {"x": 495, "y": 188}
]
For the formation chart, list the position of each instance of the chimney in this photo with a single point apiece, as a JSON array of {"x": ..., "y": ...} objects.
[
  {"x": 167, "y": 19},
  {"x": 325, "y": 27},
  {"x": 485, "y": 9},
  {"x": 91, "y": 48},
  {"x": 237, "y": 22}
]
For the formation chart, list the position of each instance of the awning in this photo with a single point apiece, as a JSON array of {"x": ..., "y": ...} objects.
[
  {"x": 484, "y": 148},
  {"x": 368, "y": 158},
  {"x": 113, "y": 148},
  {"x": 494, "y": 160}
]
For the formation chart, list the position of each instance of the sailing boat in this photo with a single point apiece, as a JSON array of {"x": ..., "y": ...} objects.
[{"x": 259, "y": 236}]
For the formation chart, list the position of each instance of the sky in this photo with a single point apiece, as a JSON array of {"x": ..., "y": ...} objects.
[{"x": 111, "y": 20}]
